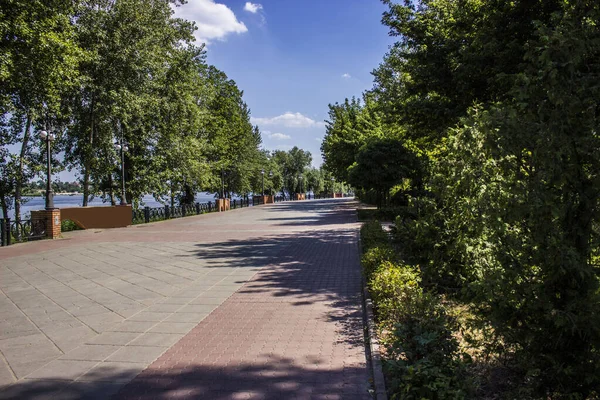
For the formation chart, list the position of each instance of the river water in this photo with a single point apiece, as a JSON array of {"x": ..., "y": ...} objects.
[{"x": 62, "y": 201}]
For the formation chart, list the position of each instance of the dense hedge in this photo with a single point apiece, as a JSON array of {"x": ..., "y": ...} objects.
[{"x": 421, "y": 355}]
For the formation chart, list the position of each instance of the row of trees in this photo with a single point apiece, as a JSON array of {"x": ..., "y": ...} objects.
[
  {"x": 39, "y": 187},
  {"x": 493, "y": 109},
  {"x": 98, "y": 72}
]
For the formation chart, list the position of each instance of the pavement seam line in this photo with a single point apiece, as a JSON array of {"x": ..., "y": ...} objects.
[
  {"x": 128, "y": 270},
  {"x": 186, "y": 269},
  {"x": 92, "y": 280},
  {"x": 106, "y": 287},
  {"x": 75, "y": 290},
  {"x": 12, "y": 372},
  {"x": 154, "y": 268},
  {"x": 27, "y": 316}
]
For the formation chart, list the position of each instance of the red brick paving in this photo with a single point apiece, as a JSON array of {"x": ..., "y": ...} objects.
[{"x": 293, "y": 332}]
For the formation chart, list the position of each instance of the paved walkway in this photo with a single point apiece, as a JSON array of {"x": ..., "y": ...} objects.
[{"x": 254, "y": 303}]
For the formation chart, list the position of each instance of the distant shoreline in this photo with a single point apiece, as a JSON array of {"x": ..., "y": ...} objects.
[{"x": 56, "y": 194}]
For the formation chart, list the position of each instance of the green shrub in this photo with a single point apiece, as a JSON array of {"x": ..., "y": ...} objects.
[
  {"x": 375, "y": 257},
  {"x": 422, "y": 359},
  {"x": 372, "y": 235},
  {"x": 382, "y": 214},
  {"x": 66, "y": 225},
  {"x": 391, "y": 286}
]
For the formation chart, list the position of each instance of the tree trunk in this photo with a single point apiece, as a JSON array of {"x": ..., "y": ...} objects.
[
  {"x": 111, "y": 191},
  {"x": 88, "y": 157},
  {"x": 172, "y": 195},
  {"x": 4, "y": 205},
  {"x": 19, "y": 180}
]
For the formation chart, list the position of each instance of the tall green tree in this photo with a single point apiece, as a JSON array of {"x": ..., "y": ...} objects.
[
  {"x": 383, "y": 164},
  {"x": 514, "y": 188},
  {"x": 349, "y": 127},
  {"x": 40, "y": 59},
  {"x": 292, "y": 164}
]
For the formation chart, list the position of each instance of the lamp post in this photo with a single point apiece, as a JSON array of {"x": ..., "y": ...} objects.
[
  {"x": 271, "y": 179},
  {"x": 262, "y": 172},
  {"x": 300, "y": 178},
  {"x": 48, "y": 137},
  {"x": 123, "y": 148}
]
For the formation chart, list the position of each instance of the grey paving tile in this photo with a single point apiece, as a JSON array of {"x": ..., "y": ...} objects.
[
  {"x": 17, "y": 327},
  {"x": 156, "y": 339},
  {"x": 149, "y": 316},
  {"x": 132, "y": 326},
  {"x": 25, "y": 354},
  {"x": 69, "y": 338},
  {"x": 92, "y": 310},
  {"x": 186, "y": 317},
  {"x": 209, "y": 300},
  {"x": 90, "y": 352},
  {"x": 197, "y": 308},
  {"x": 113, "y": 372},
  {"x": 113, "y": 338},
  {"x": 173, "y": 327},
  {"x": 163, "y": 307},
  {"x": 31, "y": 389},
  {"x": 177, "y": 300},
  {"x": 137, "y": 354},
  {"x": 6, "y": 375},
  {"x": 101, "y": 322},
  {"x": 62, "y": 370}
]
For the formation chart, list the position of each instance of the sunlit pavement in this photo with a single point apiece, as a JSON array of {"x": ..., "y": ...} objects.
[{"x": 261, "y": 302}]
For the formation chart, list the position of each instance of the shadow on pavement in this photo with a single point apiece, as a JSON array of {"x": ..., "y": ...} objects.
[
  {"x": 302, "y": 266},
  {"x": 274, "y": 379},
  {"x": 324, "y": 212},
  {"x": 303, "y": 269}
]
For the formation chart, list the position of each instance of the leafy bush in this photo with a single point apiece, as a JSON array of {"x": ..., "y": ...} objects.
[
  {"x": 391, "y": 286},
  {"x": 381, "y": 214},
  {"x": 422, "y": 356},
  {"x": 366, "y": 196},
  {"x": 426, "y": 239},
  {"x": 372, "y": 235},
  {"x": 375, "y": 257},
  {"x": 66, "y": 225}
]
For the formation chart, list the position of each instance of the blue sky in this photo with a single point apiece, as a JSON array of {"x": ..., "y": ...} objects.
[{"x": 292, "y": 58}]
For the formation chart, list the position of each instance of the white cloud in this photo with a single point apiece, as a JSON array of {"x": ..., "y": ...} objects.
[
  {"x": 346, "y": 76},
  {"x": 214, "y": 20},
  {"x": 284, "y": 147},
  {"x": 279, "y": 136},
  {"x": 319, "y": 139},
  {"x": 288, "y": 120},
  {"x": 253, "y": 8}
]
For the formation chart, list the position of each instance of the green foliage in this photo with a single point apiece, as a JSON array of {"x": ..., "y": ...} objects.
[
  {"x": 425, "y": 238},
  {"x": 422, "y": 356},
  {"x": 380, "y": 214},
  {"x": 373, "y": 258},
  {"x": 382, "y": 164},
  {"x": 502, "y": 97},
  {"x": 66, "y": 225},
  {"x": 372, "y": 235},
  {"x": 392, "y": 286},
  {"x": 350, "y": 125},
  {"x": 99, "y": 72},
  {"x": 291, "y": 165}
]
